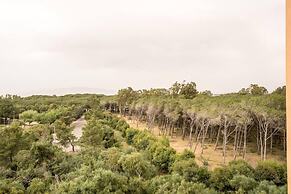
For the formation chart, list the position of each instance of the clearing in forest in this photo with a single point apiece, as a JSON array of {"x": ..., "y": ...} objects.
[{"x": 213, "y": 158}]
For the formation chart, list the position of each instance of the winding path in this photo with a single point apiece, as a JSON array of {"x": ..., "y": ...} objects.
[{"x": 78, "y": 126}]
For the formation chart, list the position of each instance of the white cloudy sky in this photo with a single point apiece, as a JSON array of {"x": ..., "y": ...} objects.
[{"x": 59, "y": 46}]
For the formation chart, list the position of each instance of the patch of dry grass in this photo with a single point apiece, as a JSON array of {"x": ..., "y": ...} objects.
[{"x": 213, "y": 157}]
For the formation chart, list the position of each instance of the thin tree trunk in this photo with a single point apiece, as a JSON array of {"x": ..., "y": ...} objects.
[
  {"x": 245, "y": 141},
  {"x": 197, "y": 140},
  {"x": 190, "y": 136},
  {"x": 204, "y": 135},
  {"x": 224, "y": 144},
  {"x": 265, "y": 142},
  {"x": 271, "y": 142},
  {"x": 183, "y": 129},
  {"x": 217, "y": 138},
  {"x": 235, "y": 143},
  {"x": 73, "y": 147}
]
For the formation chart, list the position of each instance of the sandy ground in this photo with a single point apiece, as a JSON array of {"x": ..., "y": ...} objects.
[
  {"x": 213, "y": 157},
  {"x": 78, "y": 126}
]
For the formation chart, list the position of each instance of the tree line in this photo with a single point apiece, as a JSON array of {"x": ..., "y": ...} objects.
[{"x": 251, "y": 115}]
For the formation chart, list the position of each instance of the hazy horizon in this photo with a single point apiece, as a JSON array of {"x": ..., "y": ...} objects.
[{"x": 57, "y": 47}]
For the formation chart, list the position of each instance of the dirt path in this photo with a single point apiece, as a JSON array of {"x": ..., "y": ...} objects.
[
  {"x": 213, "y": 157},
  {"x": 78, "y": 125}
]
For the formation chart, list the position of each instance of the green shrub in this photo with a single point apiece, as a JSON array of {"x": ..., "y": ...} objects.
[
  {"x": 110, "y": 158},
  {"x": 97, "y": 134},
  {"x": 136, "y": 165},
  {"x": 136, "y": 185},
  {"x": 37, "y": 186},
  {"x": 194, "y": 188},
  {"x": 98, "y": 181},
  {"x": 186, "y": 154},
  {"x": 266, "y": 187},
  {"x": 220, "y": 178},
  {"x": 271, "y": 171},
  {"x": 190, "y": 171},
  {"x": 130, "y": 134},
  {"x": 162, "y": 156},
  {"x": 241, "y": 167},
  {"x": 166, "y": 184},
  {"x": 11, "y": 187},
  {"x": 142, "y": 140},
  {"x": 243, "y": 184}
]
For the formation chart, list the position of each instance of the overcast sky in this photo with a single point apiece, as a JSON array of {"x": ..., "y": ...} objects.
[{"x": 67, "y": 46}]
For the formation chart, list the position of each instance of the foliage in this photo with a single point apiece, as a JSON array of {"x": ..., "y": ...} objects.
[
  {"x": 190, "y": 171},
  {"x": 11, "y": 142},
  {"x": 115, "y": 158},
  {"x": 29, "y": 116},
  {"x": 96, "y": 134},
  {"x": 270, "y": 188},
  {"x": 162, "y": 156},
  {"x": 64, "y": 133},
  {"x": 243, "y": 184},
  {"x": 136, "y": 165},
  {"x": 271, "y": 171},
  {"x": 97, "y": 181}
]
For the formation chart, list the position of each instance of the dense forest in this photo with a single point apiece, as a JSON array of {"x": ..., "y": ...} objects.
[{"x": 116, "y": 158}]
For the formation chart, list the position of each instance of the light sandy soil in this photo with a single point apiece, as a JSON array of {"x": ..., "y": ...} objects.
[
  {"x": 214, "y": 157},
  {"x": 78, "y": 125}
]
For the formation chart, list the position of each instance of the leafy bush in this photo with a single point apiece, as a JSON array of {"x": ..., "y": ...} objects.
[
  {"x": 190, "y": 171},
  {"x": 266, "y": 187},
  {"x": 162, "y": 156},
  {"x": 13, "y": 187},
  {"x": 241, "y": 167},
  {"x": 143, "y": 140},
  {"x": 97, "y": 134},
  {"x": 220, "y": 178},
  {"x": 136, "y": 165},
  {"x": 164, "y": 184},
  {"x": 111, "y": 158},
  {"x": 271, "y": 171},
  {"x": 98, "y": 181},
  {"x": 243, "y": 184},
  {"x": 130, "y": 134},
  {"x": 37, "y": 186}
]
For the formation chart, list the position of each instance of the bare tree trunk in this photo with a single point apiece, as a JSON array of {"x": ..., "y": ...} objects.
[
  {"x": 183, "y": 129},
  {"x": 224, "y": 143},
  {"x": 245, "y": 141},
  {"x": 190, "y": 136},
  {"x": 265, "y": 142},
  {"x": 261, "y": 145},
  {"x": 197, "y": 140},
  {"x": 205, "y": 131},
  {"x": 217, "y": 138},
  {"x": 235, "y": 143},
  {"x": 73, "y": 147},
  {"x": 240, "y": 141},
  {"x": 271, "y": 142},
  {"x": 258, "y": 140}
]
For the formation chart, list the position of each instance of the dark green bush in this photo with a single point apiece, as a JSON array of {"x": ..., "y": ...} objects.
[{"x": 271, "y": 171}]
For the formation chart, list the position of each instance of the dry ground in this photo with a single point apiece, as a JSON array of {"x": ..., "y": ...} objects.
[
  {"x": 77, "y": 132},
  {"x": 214, "y": 157}
]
